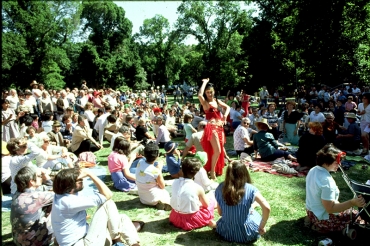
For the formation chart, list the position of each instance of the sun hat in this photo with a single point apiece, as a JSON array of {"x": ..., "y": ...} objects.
[
  {"x": 350, "y": 115},
  {"x": 170, "y": 146},
  {"x": 34, "y": 82},
  {"x": 202, "y": 156},
  {"x": 4, "y": 149},
  {"x": 56, "y": 123},
  {"x": 262, "y": 121}
]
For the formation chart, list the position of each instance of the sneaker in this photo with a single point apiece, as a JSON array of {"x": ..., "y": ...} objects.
[{"x": 133, "y": 191}]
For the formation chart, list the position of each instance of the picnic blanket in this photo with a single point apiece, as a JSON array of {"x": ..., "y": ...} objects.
[
  {"x": 259, "y": 166},
  {"x": 89, "y": 187}
]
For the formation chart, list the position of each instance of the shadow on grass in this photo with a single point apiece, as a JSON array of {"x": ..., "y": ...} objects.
[
  {"x": 7, "y": 237},
  {"x": 164, "y": 225},
  {"x": 131, "y": 204}
]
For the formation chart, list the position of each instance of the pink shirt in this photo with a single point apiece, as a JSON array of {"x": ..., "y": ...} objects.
[{"x": 117, "y": 162}]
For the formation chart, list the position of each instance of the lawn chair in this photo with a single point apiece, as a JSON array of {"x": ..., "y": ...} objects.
[{"x": 364, "y": 212}]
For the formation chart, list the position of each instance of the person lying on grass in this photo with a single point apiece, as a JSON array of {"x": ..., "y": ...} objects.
[
  {"x": 68, "y": 214},
  {"x": 240, "y": 223},
  {"x": 149, "y": 180},
  {"x": 192, "y": 208},
  {"x": 324, "y": 210}
]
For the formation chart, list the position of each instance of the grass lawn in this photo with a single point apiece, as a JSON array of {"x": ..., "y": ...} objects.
[{"x": 284, "y": 227}]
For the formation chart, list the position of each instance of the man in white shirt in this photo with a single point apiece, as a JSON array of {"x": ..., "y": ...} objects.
[
  {"x": 13, "y": 99},
  {"x": 163, "y": 134},
  {"x": 264, "y": 95},
  {"x": 101, "y": 123}
]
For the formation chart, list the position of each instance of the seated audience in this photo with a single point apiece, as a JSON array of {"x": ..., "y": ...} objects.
[
  {"x": 56, "y": 136},
  {"x": 265, "y": 143},
  {"x": 192, "y": 208},
  {"x": 82, "y": 139},
  {"x": 53, "y": 157},
  {"x": 173, "y": 159},
  {"x": 350, "y": 139},
  {"x": 324, "y": 210},
  {"x": 68, "y": 214},
  {"x": 163, "y": 135},
  {"x": 30, "y": 209},
  {"x": 240, "y": 223},
  {"x": 331, "y": 128},
  {"x": 119, "y": 166},
  {"x": 123, "y": 131},
  {"x": 149, "y": 180},
  {"x": 311, "y": 142},
  {"x": 189, "y": 130},
  {"x": 242, "y": 139},
  {"x": 272, "y": 119},
  {"x": 201, "y": 177},
  {"x": 142, "y": 133}
]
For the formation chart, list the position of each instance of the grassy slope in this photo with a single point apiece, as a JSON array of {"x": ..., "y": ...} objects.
[{"x": 285, "y": 226}]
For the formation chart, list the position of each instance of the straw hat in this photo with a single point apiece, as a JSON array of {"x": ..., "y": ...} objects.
[
  {"x": 57, "y": 123},
  {"x": 262, "y": 121},
  {"x": 4, "y": 149},
  {"x": 350, "y": 115},
  {"x": 34, "y": 82}
]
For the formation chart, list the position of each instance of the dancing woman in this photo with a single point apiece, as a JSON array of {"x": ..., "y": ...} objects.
[{"x": 213, "y": 139}]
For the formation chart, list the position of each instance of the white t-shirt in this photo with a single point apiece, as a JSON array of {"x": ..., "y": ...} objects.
[
  {"x": 317, "y": 117},
  {"x": 366, "y": 116},
  {"x": 320, "y": 185}
]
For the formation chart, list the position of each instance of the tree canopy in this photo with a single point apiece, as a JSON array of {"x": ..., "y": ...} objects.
[{"x": 280, "y": 43}]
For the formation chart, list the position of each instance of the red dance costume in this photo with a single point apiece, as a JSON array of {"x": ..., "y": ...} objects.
[
  {"x": 245, "y": 105},
  {"x": 213, "y": 113}
]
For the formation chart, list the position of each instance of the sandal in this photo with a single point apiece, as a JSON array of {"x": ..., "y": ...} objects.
[{"x": 138, "y": 224}]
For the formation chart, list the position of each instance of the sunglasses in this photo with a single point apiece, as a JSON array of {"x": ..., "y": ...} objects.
[{"x": 246, "y": 123}]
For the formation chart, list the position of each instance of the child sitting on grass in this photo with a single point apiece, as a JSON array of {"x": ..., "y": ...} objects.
[
  {"x": 192, "y": 208},
  {"x": 119, "y": 166},
  {"x": 173, "y": 162},
  {"x": 149, "y": 180}
]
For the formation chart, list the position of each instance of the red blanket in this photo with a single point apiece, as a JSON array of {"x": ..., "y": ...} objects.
[{"x": 258, "y": 165}]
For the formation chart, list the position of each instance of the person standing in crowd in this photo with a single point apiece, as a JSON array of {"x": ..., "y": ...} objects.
[
  {"x": 9, "y": 121},
  {"x": 214, "y": 137},
  {"x": 13, "y": 99},
  {"x": 68, "y": 214},
  {"x": 264, "y": 94},
  {"x": 291, "y": 123},
  {"x": 273, "y": 120},
  {"x": 364, "y": 112}
]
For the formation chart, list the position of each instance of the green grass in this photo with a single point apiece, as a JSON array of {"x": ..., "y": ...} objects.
[{"x": 284, "y": 227}]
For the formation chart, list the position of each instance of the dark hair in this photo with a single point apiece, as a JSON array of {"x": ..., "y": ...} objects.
[
  {"x": 188, "y": 117},
  {"x": 190, "y": 167},
  {"x": 112, "y": 119},
  {"x": 66, "y": 117},
  {"x": 129, "y": 117},
  {"x": 327, "y": 155},
  {"x": 237, "y": 176},
  {"x": 318, "y": 105},
  {"x": 121, "y": 146},
  {"x": 34, "y": 116},
  {"x": 4, "y": 101},
  {"x": 65, "y": 181},
  {"x": 23, "y": 178},
  {"x": 27, "y": 120},
  {"x": 366, "y": 95},
  {"x": 151, "y": 152},
  {"x": 124, "y": 129}
]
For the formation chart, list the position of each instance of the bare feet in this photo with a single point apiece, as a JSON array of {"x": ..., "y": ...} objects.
[{"x": 212, "y": 224}]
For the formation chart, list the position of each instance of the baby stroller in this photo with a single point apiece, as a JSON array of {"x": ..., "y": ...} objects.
[{"x": 364, "y": 212}]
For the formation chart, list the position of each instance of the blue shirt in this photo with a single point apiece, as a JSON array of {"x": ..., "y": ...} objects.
[
  {"x": 68, "y": 215},
  {"x": 173, "y": 165}
]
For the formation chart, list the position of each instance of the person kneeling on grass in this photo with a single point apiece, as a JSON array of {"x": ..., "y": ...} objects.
[
  {"x": 173, "y": 162},
  {"x": 149, "y": 180},
  {"x": 192, "y": 208},
  {"x": 240, "y": 222},
  {"x": 68, "y": 214},
  {"x": 324, "y": 210}
]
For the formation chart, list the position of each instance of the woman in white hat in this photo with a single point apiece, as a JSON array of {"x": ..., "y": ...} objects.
[{"x": 266, "y": 145}]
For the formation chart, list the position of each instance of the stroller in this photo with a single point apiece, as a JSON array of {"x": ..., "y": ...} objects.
[{"x": 364, "y": 212}]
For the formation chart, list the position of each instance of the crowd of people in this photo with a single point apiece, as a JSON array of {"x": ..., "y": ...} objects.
[{"x": 57, "y": 127}]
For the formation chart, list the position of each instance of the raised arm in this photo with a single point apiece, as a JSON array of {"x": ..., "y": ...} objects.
[{"x": 201, "y": 91}]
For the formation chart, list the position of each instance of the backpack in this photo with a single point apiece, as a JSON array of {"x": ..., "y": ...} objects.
[{"x": 87, "y": 156}]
